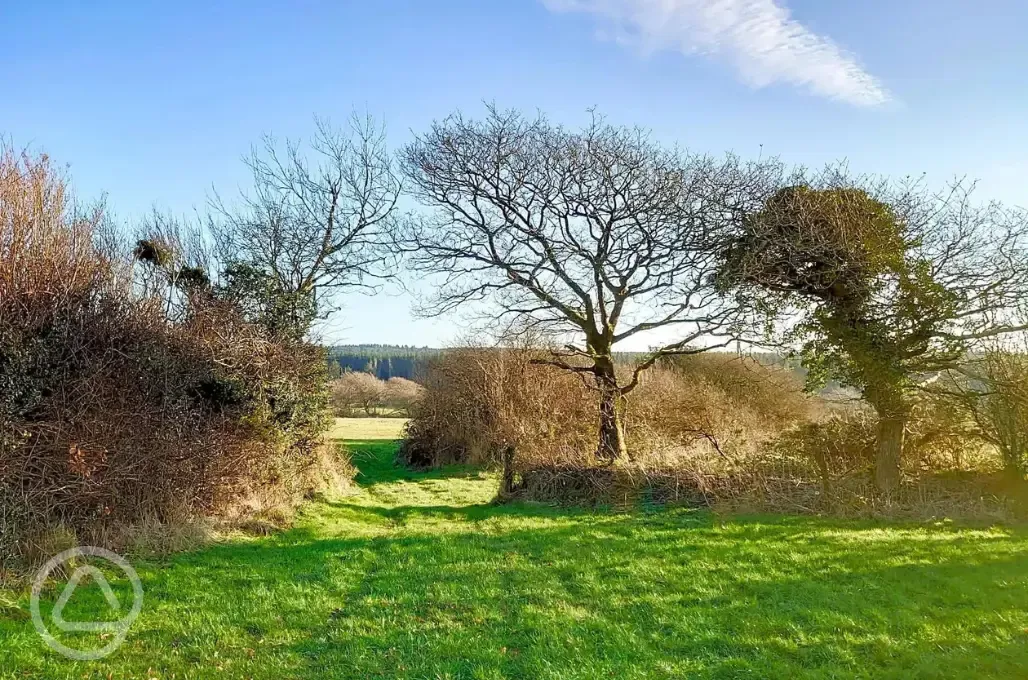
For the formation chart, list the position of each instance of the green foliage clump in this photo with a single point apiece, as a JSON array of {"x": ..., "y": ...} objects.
[
  {"x": 882, "y": 287},
  {"x": 264, "y": 302}
]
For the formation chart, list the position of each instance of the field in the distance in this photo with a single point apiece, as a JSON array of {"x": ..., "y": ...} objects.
[
  {"x": 358, "y": 429},
  {"x": 417, "y": 575}
]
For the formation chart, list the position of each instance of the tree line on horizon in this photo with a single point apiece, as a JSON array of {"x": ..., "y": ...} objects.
[
  {"x": 402, "y": 361},
  {"x": 381, "y": 361}
]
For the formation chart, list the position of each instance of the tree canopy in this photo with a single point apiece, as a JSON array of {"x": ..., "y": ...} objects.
[{"x": 588, "y": 237}]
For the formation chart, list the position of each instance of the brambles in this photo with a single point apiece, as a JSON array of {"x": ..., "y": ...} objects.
[
  {"x": 691, "y": 417},
  {"x": 712, "y": 430},
  {"x": 477, "y": 402},
  {"x": 118, "y": 409}
]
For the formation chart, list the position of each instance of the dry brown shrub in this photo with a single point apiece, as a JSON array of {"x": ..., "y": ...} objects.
[
  {"x": 113, "y": 413},
  {"x": 43, "y": 542},
  {"x": 715, "y": 406},
  {"x": 402, "y": 394},
  {"x": 710, "y": 430},
  {"x": 827, "y": 465},
  {"x": 691, "y": 420},
  {"x": 477, "y": 402},
  {"x": 357, "y": 394},
  {"x": 993, "y": 394}
]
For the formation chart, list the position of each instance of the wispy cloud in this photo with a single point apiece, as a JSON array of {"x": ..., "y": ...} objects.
[{"x": 758, "y": 37}]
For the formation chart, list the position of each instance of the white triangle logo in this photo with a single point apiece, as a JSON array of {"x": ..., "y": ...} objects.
[{"x": 73, "y": 583}]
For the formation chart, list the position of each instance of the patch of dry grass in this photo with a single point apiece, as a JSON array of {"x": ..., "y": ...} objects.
[{"x": 364, "y": 429}]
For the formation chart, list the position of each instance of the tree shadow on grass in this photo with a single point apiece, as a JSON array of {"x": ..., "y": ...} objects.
[
  {"x": 528, "y": 591},
  {"x": 546, "y": 594},
  {"x": 610, "y": 596},
  {"x": 376, "y": 463},
  {"x": 531, "y": 591},
  {"x": 602, "y": 596}
]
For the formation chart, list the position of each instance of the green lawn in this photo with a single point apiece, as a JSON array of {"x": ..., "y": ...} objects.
[{"x": 417, "y": 576}]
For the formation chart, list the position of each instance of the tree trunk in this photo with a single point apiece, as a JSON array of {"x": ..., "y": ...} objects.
[
  {"x": 507, "y": 482},
  {"x": 891, "y": 429},
  {"x": 612, "y": 431},
  {"x": 891, "y": 406}
]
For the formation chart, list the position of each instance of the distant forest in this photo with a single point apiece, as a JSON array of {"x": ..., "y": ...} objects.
[
  {"x": 383, "y": 361},
  {"x": 391, "y": 361}
]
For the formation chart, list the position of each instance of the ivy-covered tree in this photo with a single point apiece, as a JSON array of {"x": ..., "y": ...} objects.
[{"x": 882, "y": 286}]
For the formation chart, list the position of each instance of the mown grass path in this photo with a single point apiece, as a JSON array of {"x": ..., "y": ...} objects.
[{"x": 417, "y": 575}]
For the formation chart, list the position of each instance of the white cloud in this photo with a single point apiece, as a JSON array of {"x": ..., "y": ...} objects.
[{"x": 757, "y": 37}]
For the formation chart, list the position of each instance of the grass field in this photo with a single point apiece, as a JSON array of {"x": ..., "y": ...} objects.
[
  {"x": 367, "y": 428},
  {"x": 416, "y": 575}
]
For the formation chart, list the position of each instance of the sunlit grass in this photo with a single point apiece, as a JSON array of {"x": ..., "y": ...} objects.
[{"x": 417, "y": 575}]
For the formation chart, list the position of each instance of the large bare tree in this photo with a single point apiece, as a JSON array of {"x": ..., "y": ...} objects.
[
  {"x": 316, "y": 219},
  {"x": 598, "y": 236}
]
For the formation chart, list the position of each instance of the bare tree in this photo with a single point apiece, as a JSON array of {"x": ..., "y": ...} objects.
[
  {"x": 316, "y": 220},
  {"x": 594, "y": 236},
  {"x": 992, "y": 389},
  {"x": 402, "y": 394}
]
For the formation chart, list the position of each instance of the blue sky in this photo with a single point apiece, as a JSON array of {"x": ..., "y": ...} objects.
[{"x": 155, "y": 103}]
